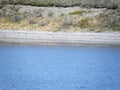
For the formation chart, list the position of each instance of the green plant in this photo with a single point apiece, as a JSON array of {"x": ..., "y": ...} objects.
[
  {"x": 1, "y": 6},
  {"x": 117, "y": 28},
  {"x": 112, "y": 6},
  {"x": 76, "y": 12}
]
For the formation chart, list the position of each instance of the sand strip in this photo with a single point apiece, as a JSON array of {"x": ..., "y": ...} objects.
[{"x": 51, "y": 38}]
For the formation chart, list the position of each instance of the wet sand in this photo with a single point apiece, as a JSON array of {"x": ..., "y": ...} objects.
[{"x": 58, "y": 38}]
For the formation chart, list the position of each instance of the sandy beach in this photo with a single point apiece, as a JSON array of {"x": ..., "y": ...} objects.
[{"x": 58, "y": 38}]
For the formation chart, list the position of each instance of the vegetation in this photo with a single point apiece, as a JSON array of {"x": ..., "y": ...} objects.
[
  {"x": 110, "y": 19},
  {"x": 76, "y": 12},
  {"x": 37, "y": 19},
  {"x": 42, "y": 2},
  {"x": 110, "y": 4}
]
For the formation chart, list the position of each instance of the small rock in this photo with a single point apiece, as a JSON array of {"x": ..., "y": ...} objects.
[
  {"x": 16, "y": 18},
  {"x": 50, "y": 14}
]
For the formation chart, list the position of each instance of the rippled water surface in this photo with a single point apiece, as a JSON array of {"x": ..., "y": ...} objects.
[{"x": 59, "y": 68}]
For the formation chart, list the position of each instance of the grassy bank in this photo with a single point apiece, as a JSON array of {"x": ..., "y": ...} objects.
[
  {"x": 85, "y": 3},
  {"x": 90, "y": 15},
  {"x": 21, "y": 17}
]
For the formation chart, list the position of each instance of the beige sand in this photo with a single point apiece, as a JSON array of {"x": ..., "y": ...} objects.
[{"x": 51, "y": 38}]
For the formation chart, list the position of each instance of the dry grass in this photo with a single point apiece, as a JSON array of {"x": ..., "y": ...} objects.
[
  {"x": 53, "y": 24},
  {"x": 79, "y": 24},
  {"x": 25, "y": 25}
]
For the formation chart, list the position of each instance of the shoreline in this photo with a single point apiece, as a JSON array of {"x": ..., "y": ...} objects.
[{"x": 22, "y": 37}]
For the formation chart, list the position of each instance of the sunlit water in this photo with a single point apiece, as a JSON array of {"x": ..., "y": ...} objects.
[{"x": 59, "y": 68}]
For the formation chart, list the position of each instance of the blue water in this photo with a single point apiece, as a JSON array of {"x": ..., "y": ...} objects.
[{"x": 59, "y": 68}]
